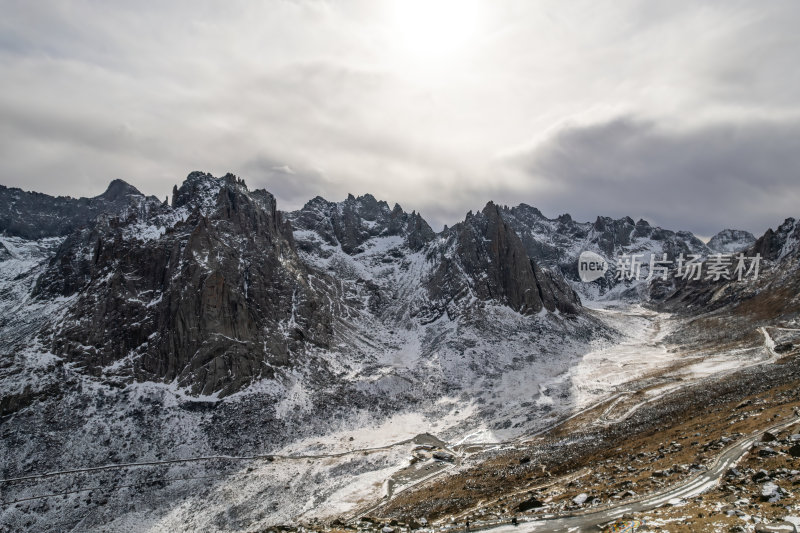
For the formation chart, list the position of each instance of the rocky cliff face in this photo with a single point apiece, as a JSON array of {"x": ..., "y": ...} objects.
[
  {"x": 785, "y": 240},
  {"x": 483, "y": 259},
  {"x": 209, "y": 292}
]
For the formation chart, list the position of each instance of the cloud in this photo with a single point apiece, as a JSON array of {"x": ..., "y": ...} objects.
[
  {"x": 150, "y": 91},
  {"x": 294, "y": 186},
  {"x": 731, "y": 174}
]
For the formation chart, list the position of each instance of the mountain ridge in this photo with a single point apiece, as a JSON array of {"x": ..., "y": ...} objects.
[
  {"x": 200, "y": 261},
  {"x": 218, "y": 289}
]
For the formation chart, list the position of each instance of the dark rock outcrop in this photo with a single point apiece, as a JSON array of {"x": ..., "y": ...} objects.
[
  {"x": 33, "y": 215},
  {"x": 209, "y": 293},
  {"x": 530, "y": 503},
  {"x": 484, "y": 259},
  {"x": 776, "y": 244},
  {"x": 4, "y": 253}
]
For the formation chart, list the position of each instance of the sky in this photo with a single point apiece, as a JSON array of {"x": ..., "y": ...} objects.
[{"x": 685, "y": 113}]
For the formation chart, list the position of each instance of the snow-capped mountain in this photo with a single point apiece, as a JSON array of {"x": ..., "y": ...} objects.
[
  {"x": 771, "y": 292},
  {"x": 217, "y": 327},
  {"x": 478, "y": 260},
  {"x": 220, "y": 290},
  {"x": 557, "y": 244},
  {"x": 730, "y": 241}
]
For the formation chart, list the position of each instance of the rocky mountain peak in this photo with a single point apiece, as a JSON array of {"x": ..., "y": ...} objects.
[
  {"x": 199, "y": 190},
  {"x": 354, "y": 221},
  {"x": 490, "y": 210},
  {"x": 527, "y": 210},
  {"x": 783, "y": 241},
  {"x": 484, "y": 258},
  {"x": 210, "y": 293},
  {"x": 731, "y": 240},
  {"x": 119, "y": 189}
]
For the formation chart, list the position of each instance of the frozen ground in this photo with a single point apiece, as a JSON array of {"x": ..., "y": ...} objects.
[{"x": 602, "y": 372}]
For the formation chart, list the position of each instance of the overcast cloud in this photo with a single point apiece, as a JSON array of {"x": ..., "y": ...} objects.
[{"x": 683, "y": 113}]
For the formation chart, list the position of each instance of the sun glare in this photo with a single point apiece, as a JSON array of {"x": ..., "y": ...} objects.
[{"x": 433, "y": 30}]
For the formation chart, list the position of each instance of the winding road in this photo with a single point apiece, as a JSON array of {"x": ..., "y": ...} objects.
[{"x": 688, "y": 489}]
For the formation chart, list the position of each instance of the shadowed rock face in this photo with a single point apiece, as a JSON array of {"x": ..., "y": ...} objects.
[
  {"x": 4, "y": 253},
  {"x": 775, "y": 244},
  {"x": 483, "y": 258},
  {"x": 213, "y": 298},
  {"x": 32, "y": 215}
]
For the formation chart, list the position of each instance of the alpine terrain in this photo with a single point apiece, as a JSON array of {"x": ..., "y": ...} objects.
[{"x": 212, "y": 363}]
